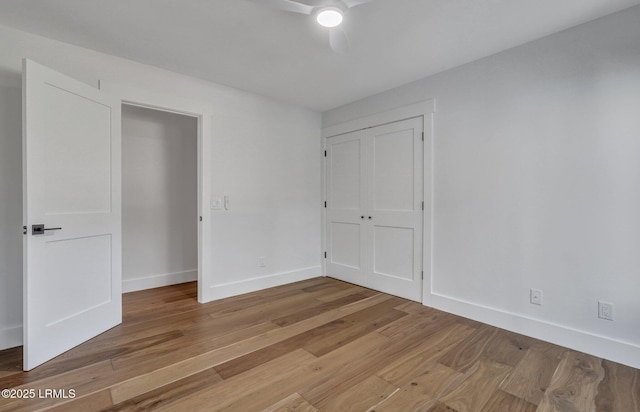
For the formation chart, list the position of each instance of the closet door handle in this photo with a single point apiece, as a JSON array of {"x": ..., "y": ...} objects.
[
  {"x": 361, "y": 217},
  {"x": 369, "y": 217}
]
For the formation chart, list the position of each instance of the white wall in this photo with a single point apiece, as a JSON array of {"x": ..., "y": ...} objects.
[
  {"x": 264, "y": 155},
  {"x": 537, "y": 185},
  {"x": 10, "y": 217},
  {"x": 159, "y": 198}
]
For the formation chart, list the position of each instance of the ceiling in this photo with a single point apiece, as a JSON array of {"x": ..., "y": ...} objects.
[{"x": 286, "y": 56}]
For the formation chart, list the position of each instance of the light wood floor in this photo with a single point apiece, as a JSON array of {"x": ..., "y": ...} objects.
[{"x": 322, "y": 345}]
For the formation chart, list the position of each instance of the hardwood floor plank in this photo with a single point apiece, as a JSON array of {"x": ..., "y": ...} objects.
[
  {"x": 422, "y": 391},
  {"x": 319, "y": 340},
  {"x": 574, "y": 385},
  {"x": 293, "y": 402},
  {"x": 396, "y": 348},
  {"x": 358, "y": 324},
  {"x": 507, "y": 347},
  {"x": 228, "y": 391},
  {"x": 187, "y": 346},
  {"x": 431, "y": 321},
  {"x": 422, "y": 358},
  {"x": 345, "y": 291},
  {"x": 159, "y": 377},
  {"x": 532, "y": 376},
  {"x": 440, "y": 407},
  {"x": 619, "y": 390},
  {"x": 97, "y": 401},
  {"x": 11, "y": 361},
  {"x": 170, "y": 393},
  {"x": 478, "y": 386},
  {"x": 334, "y": 363},
  {"x": 465, "y": 354},
  {"x": 308, "y": 312},
  {"x": 85, "y": 381},
  {"x": 70, "y": 363},
  {"x": 501, "y": 401},
  {"x": 362, "y": 396}
]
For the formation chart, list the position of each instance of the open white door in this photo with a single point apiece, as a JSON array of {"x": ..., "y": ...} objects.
[{"x": 71, "y": 183}]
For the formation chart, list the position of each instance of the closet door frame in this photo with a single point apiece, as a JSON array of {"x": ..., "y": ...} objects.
[{"x": 427, "y": 110}]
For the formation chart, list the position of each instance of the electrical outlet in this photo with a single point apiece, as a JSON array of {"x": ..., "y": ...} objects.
[
  {"x": 605, "y": 310},
  {"x": 536, "y": 297},
  {"x": 263, "y": 261}
]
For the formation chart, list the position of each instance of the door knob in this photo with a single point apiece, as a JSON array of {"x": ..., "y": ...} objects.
[
  {"x": 369, "y": 217},
  {"x": 40, "y": 229},
  {"x": 361, "y": 217}
]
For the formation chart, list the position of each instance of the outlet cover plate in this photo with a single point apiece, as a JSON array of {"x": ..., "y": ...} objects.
[
  {"x": 536, "y": 297},
  {"x": 605, "y": 310}
]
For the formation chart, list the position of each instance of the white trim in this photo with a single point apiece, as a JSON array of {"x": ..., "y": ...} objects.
[
  {"x": 10, "y": 337},
  {"x": 597, "y": 345},
  {"x": 204, "y": 113},
  {"x": 422, "y": 108},
  {"x": 156, "y": 281},
  {"x": 426, "y": 110},
  {"x": 225, "y": 290}
]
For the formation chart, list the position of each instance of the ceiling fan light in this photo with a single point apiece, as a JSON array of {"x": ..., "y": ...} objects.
[{"x": 329, "y": 17}]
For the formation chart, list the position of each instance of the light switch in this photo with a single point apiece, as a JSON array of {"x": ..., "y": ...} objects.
[{"x": 216, "y": 203}]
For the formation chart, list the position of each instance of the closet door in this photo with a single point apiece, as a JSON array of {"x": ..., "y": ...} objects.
[
  {"x": 394, "y": 208},
  {"x": 346, "y": 197},
  {"x": 374, "y": 208}
]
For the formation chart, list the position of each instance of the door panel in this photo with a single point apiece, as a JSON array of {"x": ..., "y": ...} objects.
[
  {"x": 85, "y": 146},
  {"x": 346, "y": 196},
  {"x": 393, "y": 252},
  {"x": 396, "y": 208},
  {"x": 72, "y": 273},
  {"x": 393, "y": 170},
  {"x": 345, "y": 248},
  {"x": 345, "y": 174}
]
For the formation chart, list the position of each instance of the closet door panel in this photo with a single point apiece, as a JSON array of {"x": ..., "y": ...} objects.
[
  {"x": 346, "y": 196},
  {"x": 395, "y": 175},
  {"x": 393, "y": 171}
]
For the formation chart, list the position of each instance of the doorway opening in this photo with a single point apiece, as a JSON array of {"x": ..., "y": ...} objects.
[{"x": 159, "y": 198}]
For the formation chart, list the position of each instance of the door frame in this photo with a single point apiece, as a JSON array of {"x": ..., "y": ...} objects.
[
  {"x": 203, "y": 113},
  {"x": 426, "y": 109}
]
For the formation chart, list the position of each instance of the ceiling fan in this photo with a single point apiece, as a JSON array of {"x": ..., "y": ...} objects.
[{"x": 328, "y": 13}]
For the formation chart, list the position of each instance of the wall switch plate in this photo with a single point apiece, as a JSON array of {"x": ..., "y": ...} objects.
[
  {"x": 536, "y": 297},
  {"x": 605, "y": 310},
  {"x": 216, "y": 203}
]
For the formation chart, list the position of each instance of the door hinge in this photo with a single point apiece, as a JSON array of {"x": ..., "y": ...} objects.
[
  {"x": 325, "y": 153},
  {"x": 422, "y": 205},
  {"x": 325, "y": 203},
  {"x": 422, "y": 275},
  {"x": 423, "y": 136},
  {"x": 325, "y": 255},
  {"x": 24, "y": 230},
  {"x": 201, "y": 218}
]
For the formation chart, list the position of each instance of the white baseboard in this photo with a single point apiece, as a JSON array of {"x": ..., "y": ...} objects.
[
  {"x": 150, "y": 282},
  {"x": 592, "y": 344},
  {"x": 10, "y": 337},
  {"x": 225, "y": 290}
]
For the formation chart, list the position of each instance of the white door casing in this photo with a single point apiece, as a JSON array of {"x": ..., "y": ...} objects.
[
  {"x": 374, "y": 215},
  {"x": 71, "y": 180}
]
